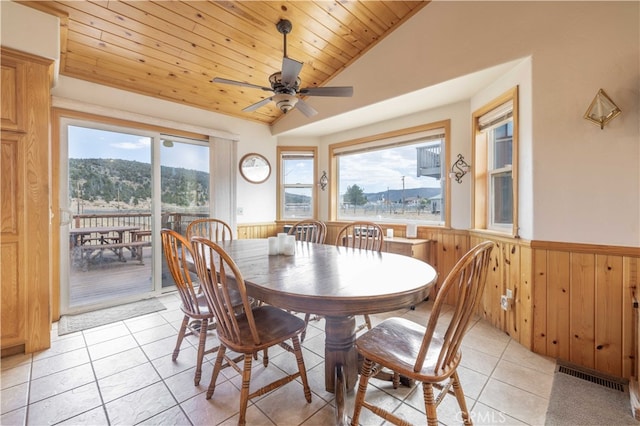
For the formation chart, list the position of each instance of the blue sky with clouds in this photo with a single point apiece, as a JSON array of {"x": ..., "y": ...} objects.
[
  {"x": 93, "y": 143},
  {"x": 377, "y": 171}
]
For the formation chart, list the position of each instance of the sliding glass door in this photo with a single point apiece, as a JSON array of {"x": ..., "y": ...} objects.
[{"x": 119, "y": 187}]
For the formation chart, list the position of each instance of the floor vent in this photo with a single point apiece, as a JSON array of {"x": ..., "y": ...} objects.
[{"x": 599, "y": 380}]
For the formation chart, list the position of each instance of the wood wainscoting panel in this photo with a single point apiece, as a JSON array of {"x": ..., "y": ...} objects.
[
  {"x": 447, "y": 258},
  {"x": 582, "y": 309},
  {"x": 510, "y": 252},
  {"x": 630, "y": 342},
  {"x": 609, "y": 303},
  {"x": 524, "y": 298},
  {"x": 510, "y": 269},
  {"x": 540, "y": 306},
  {"x": 558, "y": 303},
  {"x": 583, "y": 305},
  {"x": 494, "y": 287},
  {"x": 257, "y": 230}
]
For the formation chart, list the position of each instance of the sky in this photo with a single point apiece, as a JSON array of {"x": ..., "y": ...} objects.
[
  {"x": 377, "y": 171},
  {"x": 93, "y": 143}
]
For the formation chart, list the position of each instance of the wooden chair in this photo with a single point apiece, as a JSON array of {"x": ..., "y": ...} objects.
[
  {"x": 309, "y": 230},
  {"x": 256, "y": 329},
  {"x": 361, "y": 235},
  {"x": 423, "y": 354},
  {"x": 213, "y": 229},
  {"x": 198, "y": 319},
  {"x": 312, "y": 231}
]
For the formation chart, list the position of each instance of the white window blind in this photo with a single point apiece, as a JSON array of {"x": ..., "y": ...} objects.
[
  {"x": 427, "y": 135},
  {"x": 496, "y": 116}
]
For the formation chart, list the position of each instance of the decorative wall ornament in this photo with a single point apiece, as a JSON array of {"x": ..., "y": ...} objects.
[
  {"x": 459, "y": 169},
  {"x": 602, "y": 109},
  {"x": 324, "y": 180}
]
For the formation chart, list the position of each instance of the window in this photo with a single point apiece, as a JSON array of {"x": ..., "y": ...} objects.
[
  {"x": 296, "y": 177},
  {"x": 500, "y": 172},
  {"x": 393, "y": 177},
  {"x": 495, "y": 161}
]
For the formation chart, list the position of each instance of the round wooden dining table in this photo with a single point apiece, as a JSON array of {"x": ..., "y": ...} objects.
[{"x": 335, "y": 282}]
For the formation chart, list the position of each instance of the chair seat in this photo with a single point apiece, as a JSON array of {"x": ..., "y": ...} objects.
[
  {"x": 203, "y": 308},
  {"x": 273, "y": 324},
  {"x": 395, "y": 343}
]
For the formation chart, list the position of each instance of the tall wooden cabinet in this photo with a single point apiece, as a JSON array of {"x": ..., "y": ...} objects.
[{"x": 25, "y": 230}]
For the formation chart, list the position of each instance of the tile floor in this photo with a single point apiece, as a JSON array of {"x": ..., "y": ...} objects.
[{"x": 122, "y": 373}]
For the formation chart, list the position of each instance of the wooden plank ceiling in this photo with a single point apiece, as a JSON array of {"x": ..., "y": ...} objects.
[{"x": 172, "y": 49}]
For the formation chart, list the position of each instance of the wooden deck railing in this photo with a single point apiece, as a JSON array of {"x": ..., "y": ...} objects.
[{"x": 175, "y": 221}]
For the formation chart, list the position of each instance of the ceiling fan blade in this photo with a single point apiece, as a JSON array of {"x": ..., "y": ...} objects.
[
  {"x": 240, "y": 83},
  {"x": 257, "y": 105},
  {"x": 290, "y": 70},
  {"x": 345, "y": 91},
  {"x": 305, "y": 108}
]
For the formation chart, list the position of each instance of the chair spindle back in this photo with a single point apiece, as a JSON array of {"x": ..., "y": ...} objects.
[
  {"x": 310, "y": 231},
  {"x": 223, "y": 284},
  {"x": 177, "y": 250},
  {"x": 361, "y": 235},
  {"x": 213, "y": 229},
  {"x": 467, "y": 279}
]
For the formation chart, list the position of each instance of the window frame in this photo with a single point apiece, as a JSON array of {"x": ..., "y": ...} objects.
[
  {"x": 282, "y": 152},
  {"x": 483, "y": 171},
  {"x": 377, "y": 140}
]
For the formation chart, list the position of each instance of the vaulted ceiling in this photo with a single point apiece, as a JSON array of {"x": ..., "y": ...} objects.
[{"x": 172, "y": 50}]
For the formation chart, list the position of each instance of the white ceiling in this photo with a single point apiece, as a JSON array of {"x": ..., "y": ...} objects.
[{"x": 448, "y": 92}]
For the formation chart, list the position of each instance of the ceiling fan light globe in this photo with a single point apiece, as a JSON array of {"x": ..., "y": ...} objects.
[{"x": 285, "y": 102}]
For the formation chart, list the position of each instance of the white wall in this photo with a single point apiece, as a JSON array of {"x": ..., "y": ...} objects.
[
  {"x": 28, "y": 30},
  {"x": 578, "y": 183},
  {"x": 586, "y": 181}
]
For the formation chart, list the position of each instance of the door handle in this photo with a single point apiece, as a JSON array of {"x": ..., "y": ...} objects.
[{"x": 65, "y": 217}]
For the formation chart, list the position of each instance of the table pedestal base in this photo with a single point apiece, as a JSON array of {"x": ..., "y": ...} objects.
[{"x": 339, "y": 350}]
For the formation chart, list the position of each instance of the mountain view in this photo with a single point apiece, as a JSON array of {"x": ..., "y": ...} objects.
[{"x": 98, "y": 180}]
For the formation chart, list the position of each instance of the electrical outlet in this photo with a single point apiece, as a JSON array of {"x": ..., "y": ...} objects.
[
  {"x": 509, "y": 294},
  {"x": 504, "y": 302}
]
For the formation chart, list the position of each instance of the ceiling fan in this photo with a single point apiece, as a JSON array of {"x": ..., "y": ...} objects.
[{"x": 286, "y": 84}]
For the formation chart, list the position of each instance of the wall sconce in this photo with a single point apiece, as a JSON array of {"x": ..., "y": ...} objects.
[
  {"x": 324, "y": 180},
  {"x": 459, "y": 169},
  {"x": 602, "y": 109}
]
